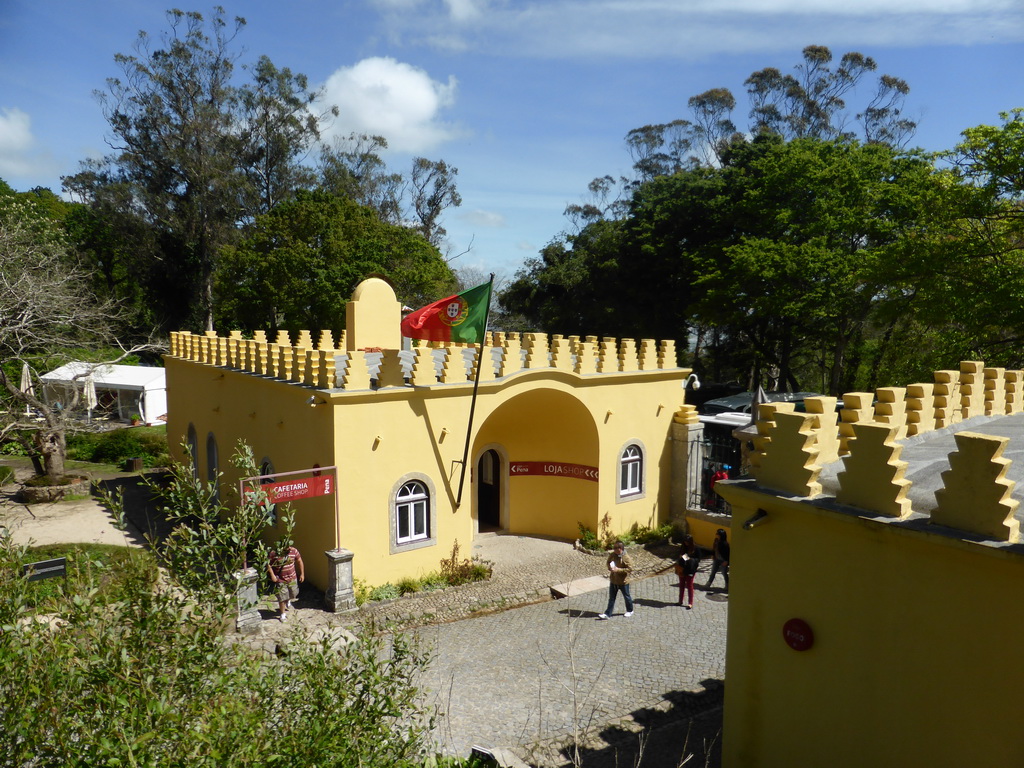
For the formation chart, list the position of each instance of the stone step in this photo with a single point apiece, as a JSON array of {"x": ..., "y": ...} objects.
[{"x": 578, "y": 587}]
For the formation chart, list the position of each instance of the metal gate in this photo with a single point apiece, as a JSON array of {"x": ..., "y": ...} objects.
[{"x": 712, "y": 459}]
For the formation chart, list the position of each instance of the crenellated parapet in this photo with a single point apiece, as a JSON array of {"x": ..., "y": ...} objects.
[{"x": 320, "y": 361}]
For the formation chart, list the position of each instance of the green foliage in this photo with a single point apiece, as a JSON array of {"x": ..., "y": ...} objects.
[
  {"x": 456, "y": 570},
  {"x": 301, "y": 262},
  {"x": 6, "y": 475},
  {"x": 115, "y": 446},
  {"x": 210, "y": 542},
  {"x": 103, "y": 571},
  {"x": 384, "y": 592},
  {"x": 146, "y": 679},
  {"x": 637, "y": 534}
]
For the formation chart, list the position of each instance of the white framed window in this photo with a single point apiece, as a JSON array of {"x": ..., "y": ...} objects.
[
  {"x": 412, "y": 513},
  {"x": 411, "y": 518},
  {"x": 631, "y": 471}
]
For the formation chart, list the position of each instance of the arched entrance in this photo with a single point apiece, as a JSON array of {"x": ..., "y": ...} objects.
[
  {"x": 488, "y": 491},
  {"x": 543, "y": 445}
]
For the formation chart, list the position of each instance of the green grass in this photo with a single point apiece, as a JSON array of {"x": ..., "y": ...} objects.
[{"x": 103, "y": 567}]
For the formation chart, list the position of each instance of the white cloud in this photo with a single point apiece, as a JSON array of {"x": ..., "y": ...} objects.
[
  {"x": 464, "y": 10},
  {"x": 15, "y": 143},
  {"x": 385, "y": 97},
  {"x": 698, "y": 28},
  {"x": 482, "y": 218}
]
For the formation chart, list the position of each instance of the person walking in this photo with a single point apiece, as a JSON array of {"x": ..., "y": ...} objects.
[
  {"x": 286, "y": 571},
  {"x": 720, "y": 559},
  {"x": 619, "y": 566},
  {"x": 686, "y": 568}
]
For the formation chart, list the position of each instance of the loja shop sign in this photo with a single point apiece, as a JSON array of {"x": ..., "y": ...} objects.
[{"x": 552, "y": 469}]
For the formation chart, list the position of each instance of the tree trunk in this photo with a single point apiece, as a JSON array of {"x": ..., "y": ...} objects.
[{"x": 53, "y": 447}]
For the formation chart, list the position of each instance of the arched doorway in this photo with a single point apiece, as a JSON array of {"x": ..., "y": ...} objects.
[{"x": 488, "y": 491}]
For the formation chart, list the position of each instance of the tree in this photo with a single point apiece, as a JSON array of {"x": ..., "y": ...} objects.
[
  {"x": 46, "y": 310},
  {"x": 302, "y": 261},
  {"x": 279, "y": 129},
  {"x": 794, "y": 258}
]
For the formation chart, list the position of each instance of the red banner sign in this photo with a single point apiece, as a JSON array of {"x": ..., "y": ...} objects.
[
  {"x": 552, "y": 469},
  {"x": 306, "y": 488}
]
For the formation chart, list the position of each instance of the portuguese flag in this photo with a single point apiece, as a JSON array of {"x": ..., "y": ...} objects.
[{"x": 462, "y": 317}]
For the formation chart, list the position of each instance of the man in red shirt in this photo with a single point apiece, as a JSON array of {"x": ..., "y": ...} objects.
[{"x": 286, "y": 571}]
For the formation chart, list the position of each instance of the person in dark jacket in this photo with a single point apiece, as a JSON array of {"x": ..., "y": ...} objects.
[
  {"x": 686, "y": 568},
  {"x": 720, "y": 559}
]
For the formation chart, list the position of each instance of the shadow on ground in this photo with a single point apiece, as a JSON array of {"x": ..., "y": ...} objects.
[{"x": 652, "y": 737}]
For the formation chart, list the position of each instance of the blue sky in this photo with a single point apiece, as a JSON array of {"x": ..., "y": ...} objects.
[{"x": 529, "y": 100}]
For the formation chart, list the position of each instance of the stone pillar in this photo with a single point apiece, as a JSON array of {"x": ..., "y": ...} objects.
[
  {"x": 339, "y": 596},
  {"x": 684, "y": 433},
  {"x": 249, "y": 619}
]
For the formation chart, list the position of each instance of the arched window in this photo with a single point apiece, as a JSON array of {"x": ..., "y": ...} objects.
[
  {"x": 631, "y": 471},
  {"x": 412, "y": 513}
]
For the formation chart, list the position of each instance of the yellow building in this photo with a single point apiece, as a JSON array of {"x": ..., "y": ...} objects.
[
  {"x": 874, "y": 601},
  {"x": 566, "y": 431}
]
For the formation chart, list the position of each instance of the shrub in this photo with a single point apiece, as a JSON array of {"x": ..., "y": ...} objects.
[
  {"x": 384, "y": 592},
  {"x": 148, "y": 680},
  {"x": 6, "y": 475},
  {"x": 464, "y": 571}
]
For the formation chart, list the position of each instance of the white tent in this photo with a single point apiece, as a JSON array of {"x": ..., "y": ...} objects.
[{"x": 121, "y": 391}]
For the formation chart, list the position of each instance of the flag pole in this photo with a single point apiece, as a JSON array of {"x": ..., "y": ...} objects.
[{"x": 476, "y": 387}]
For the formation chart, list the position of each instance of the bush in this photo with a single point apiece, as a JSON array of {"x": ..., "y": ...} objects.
[
  {"x": 384, "y": 592},
  {"x": 6, "y": 475},
  {"x": 117, "y": 445},
  {"x": 148, "y": 680},
  {"x": 456, "y": 571}
]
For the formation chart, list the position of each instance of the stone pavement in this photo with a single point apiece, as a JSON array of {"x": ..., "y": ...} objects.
[{"x": 515, "y": 669}]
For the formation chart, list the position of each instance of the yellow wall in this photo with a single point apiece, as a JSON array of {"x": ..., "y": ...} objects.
[
  {"x": 379, "y": 438},
  {"x": 275, "y": 421},
  {"x": 915, "y": 630}
]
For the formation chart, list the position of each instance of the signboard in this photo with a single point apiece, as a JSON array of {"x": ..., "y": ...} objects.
[
  {"x": 798, "y": 634},
  {"x": 306, "y": 488},
  {"x": 552, "y": 469}
]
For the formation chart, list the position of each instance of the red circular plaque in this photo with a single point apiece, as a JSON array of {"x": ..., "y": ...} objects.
[{"x": 798, "y": 634}]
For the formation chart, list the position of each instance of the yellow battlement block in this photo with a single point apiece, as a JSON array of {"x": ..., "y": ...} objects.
[
  {"x": 972, "y": 388},
  {"x": 486, "y": 362},
  {"x": 857, "y": 407},
  {"x": 827, "y": 428},
  {"x": 627, "y": 356},
  {"x": 1014, "y": 391},
  {"x": 536, "y": 345},
  {"x": 686, "y": 414},
  {"x": 453, "y": 371},
  {"x": 995, "y": 391},
  {"x": 648, "y": 354},
  {"x": 891, "y": 409},
  {"x": 586, "y": 357},
  {"x": 765, "y": 423},
  {"x": 789, "y": 463},
  {"x": 947, "y": 398},
  {"x": 561, "y": 354},
  {"x": 511, "y": 356},
  {"x": 920, "y": 408},
  {"x": 667, "y": 354},
  {"x": 608, "y": 356},
  {"x": 357, "y": 373},
  {"x": 975, "y": 496},
  {"x": 873, "y": 478},
  {"x": 423, "y": 367}
]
